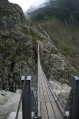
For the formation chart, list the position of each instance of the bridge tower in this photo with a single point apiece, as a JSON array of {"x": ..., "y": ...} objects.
[{"x": 72, "y": 105}]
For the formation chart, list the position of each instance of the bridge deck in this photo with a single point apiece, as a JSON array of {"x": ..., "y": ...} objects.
[{"x": 48, "y": 106}]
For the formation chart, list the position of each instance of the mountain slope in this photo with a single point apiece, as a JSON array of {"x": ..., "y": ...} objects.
[
  {"x": 18, "y": 54},
  {"x": 65, "y": 38},
  {"x": 17, "y": 46},
  {"x": 65, "y": 10},
  {"x": 60, "y": 18}
]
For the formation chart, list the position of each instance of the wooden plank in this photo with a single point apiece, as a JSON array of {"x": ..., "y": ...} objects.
[
  {"x": 50, "y": 111},
  {"x": 44, "y": 111},
  {"x": 47, "y": 98},
  {"x": 48, "y": 91},
  {"x": 41, "y": 91},
  {"x": 44, "y": 91},
  {"x": 56, "y": 110},
  {"x": 51, "y": 98},
  {"x": 43, "y": 85},
  {"x": 46, "y": 86},
  {"x": 39, "y": 82},
  {"x": 42, "y": 99}
]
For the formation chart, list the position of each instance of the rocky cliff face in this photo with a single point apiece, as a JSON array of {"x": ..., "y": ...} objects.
[
  {"x": 55, "y": 65},
  {"x": 16, "y": 46},
  {"x": 10, "y": 15}
]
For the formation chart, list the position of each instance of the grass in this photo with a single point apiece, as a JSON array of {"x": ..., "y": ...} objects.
[
  {"x": 35, "y": 36},
  {"x": 31, "y": 32},
  {"x": 24, "y": 30},
  {"x": 74, "y": 28}
]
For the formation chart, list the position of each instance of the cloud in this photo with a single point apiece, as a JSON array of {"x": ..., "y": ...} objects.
[{"x": 25, "y": 4}]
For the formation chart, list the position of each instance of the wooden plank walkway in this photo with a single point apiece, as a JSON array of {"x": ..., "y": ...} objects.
[{"x": 48, "y": 106}]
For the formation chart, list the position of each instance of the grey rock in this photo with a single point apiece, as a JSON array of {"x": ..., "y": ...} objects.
[
  {"x": 0, "y": 83},
  {"x": 13, "y": 115},
  {"x": 61, "y": 90},
  {"x": 8, "y": 103},
  {"x": 3, "y": 92}
]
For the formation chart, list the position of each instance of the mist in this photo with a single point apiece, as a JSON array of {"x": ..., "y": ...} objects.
[{"x": 25, "y": 4}]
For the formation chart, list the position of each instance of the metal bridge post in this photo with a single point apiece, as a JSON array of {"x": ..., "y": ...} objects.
[
  {"x": 73, "y": 101},
  {"x": 26, "y": 103}
]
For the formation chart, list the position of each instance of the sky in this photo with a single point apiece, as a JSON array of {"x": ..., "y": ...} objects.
[{"x": 25, "y": 4}]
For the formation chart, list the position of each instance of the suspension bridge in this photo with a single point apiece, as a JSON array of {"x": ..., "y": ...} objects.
[
  {"x": 47, "y": 106},
  {"x": 40, "y": 102}
]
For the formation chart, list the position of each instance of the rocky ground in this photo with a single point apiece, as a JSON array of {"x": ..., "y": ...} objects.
[
  {"x": 8, "y": 102},
  {"x": 18, "y": 46}
]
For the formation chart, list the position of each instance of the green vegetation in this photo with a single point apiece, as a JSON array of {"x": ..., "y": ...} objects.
[
  {"x": 65, "y": 10},
  {"x": 40, "y": 30},
  {"x": 74, "y": 28},
  {"x": 30, "y": 31},
  {"x": 48, "y": 13},
  {"x": 34, "y": 35},
  {"x": 60, "y": 19},
  {"x": 65, "y": 38},
  {"x": 24, "y": 30}
]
